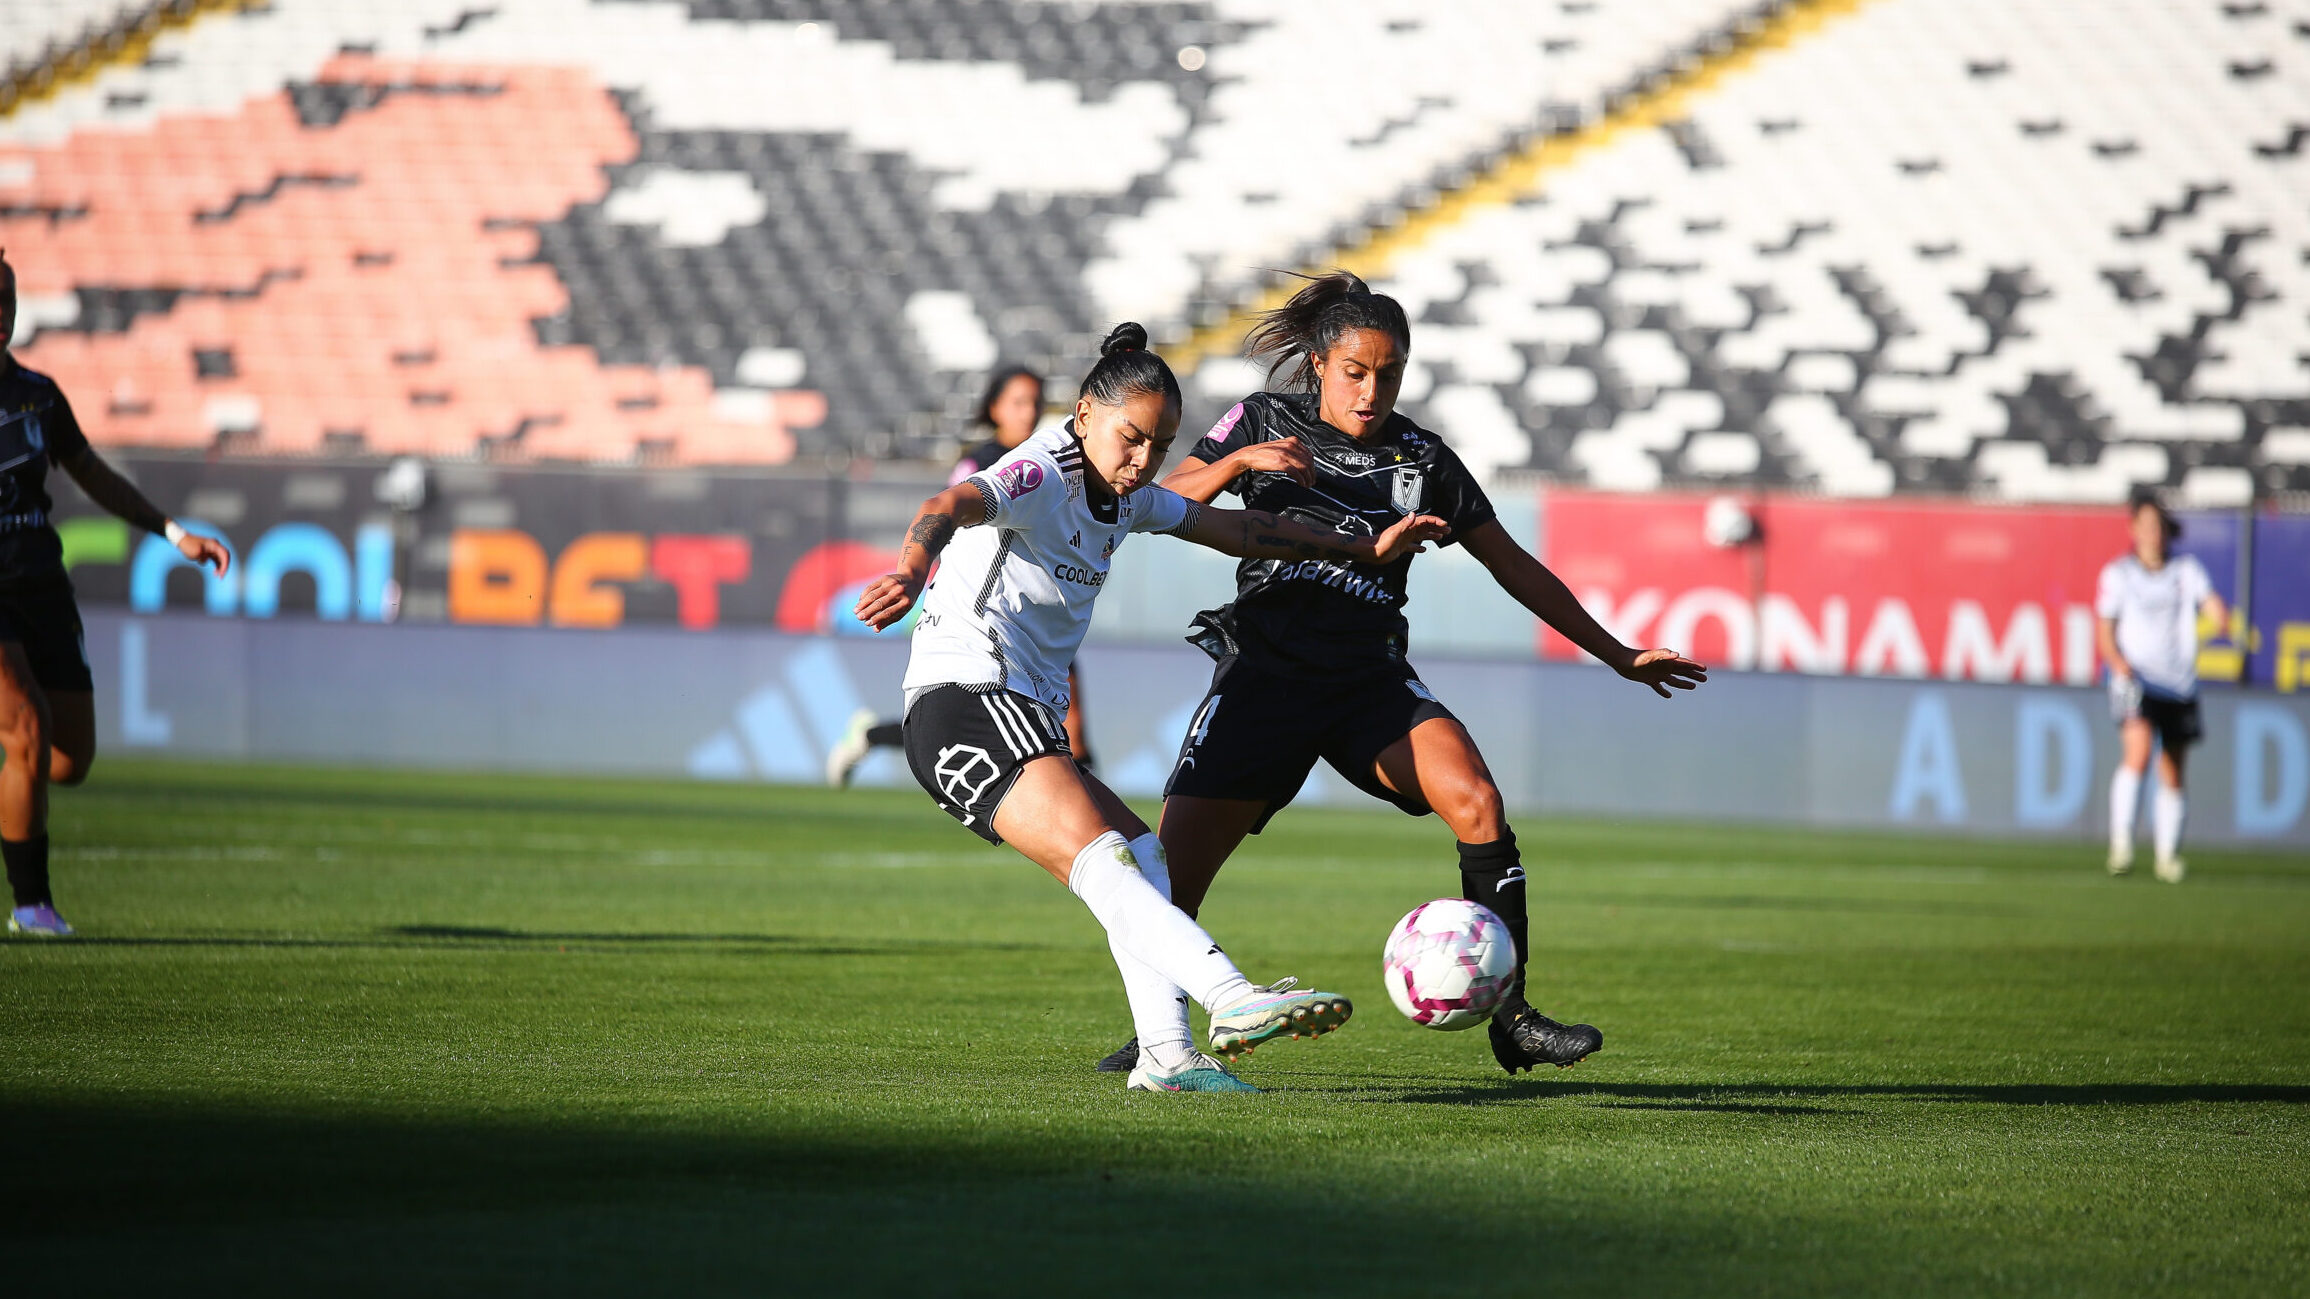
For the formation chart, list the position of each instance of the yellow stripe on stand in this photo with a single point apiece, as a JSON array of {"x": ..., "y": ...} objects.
[{"x": 1521, "y": 173}]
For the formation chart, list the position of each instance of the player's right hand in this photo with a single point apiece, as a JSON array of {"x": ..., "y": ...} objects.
[
  {"x": 205, "y": 550},
  {"x": 1663, "y": 668},
  {"x": 886, "y": 599},
  {"x": 1286, "y": 456},
  {"x": 1404, "y": 537}
]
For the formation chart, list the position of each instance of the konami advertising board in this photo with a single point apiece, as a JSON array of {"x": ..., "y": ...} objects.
[{"x": 1926, "y": 589}]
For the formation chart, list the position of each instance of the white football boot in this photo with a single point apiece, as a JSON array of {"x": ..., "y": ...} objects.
[
  {"x": 843, "y": 759},
  {"x": 1200, "y": 1073}
]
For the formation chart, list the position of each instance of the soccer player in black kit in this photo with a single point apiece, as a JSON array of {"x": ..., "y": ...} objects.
[
  {"x": 47, "y": 699},
  {"x": 1311, "y": 652}
]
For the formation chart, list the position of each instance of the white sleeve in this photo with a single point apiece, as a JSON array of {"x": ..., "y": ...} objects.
[
  {"x": 1164, "y": 510},
  {"x": 1021, "y": 490},
  {"x": 2200, "y": 582},
  {"x": 2110, "y": 594}
]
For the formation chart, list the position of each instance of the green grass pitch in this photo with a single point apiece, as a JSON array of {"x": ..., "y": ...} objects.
[{"x": 395, "y": 1033}]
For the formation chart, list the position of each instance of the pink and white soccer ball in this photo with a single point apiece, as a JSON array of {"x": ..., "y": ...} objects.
[{"x": 1448, "y": 964}]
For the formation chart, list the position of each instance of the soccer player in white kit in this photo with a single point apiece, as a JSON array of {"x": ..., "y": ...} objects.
[
  {"x": 1026, "y": 545},
  {"x": 2148, "y": 608}
]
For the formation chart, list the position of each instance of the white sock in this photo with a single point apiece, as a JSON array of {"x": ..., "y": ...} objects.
[
  {"x": 1141, "y": 922},
  {"x": 1158, "y": 1006},
  {"x": 2166, "y": 821},
  {"x": 2125, "y": 794}
]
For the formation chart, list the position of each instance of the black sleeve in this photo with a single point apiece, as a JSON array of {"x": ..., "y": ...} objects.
[
  {"x": 61, "y": 431},
  {"x": 1458, "y": 499},
  {"x": 1235, "y": 430}
]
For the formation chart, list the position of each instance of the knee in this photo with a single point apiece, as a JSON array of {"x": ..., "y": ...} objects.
[
  {"x": 1476, "y": 813},
  {"x": 69, "y": 767},
  {"x": 24, "y": 736}
]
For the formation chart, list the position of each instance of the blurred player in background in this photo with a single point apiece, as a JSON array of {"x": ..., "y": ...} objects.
[
  {"x": 2147, "y": 611},
  {"x": 1008, "y": 411},
  {"x": 1311, "y": 653},
  {"x": 47, "y": 699},
  {"x": 1031, "y": 541}
]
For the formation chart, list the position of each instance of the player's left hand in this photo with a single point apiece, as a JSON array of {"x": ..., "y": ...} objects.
[
  {"x": 1406, "y": 537},
  {"x": 1662, "y": 669},
  {"x": 886, "y": 599},
  {"x": 205, "y": 550}
]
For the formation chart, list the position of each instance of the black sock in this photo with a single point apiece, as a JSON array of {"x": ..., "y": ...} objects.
[
  {"x": 27, "y": 869},
  {"x": 1493, "y": 874},
  {"x": 887, "y": 735}
]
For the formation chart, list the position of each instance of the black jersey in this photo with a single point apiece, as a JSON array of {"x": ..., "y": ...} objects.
[
  {"x": 982, "y": 456},
  {"x": 1316, "y": 614},
  {"x": 36, "y": 430}
]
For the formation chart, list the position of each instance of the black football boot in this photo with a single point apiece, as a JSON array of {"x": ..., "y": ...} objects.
[
  {"x": 1124, "y": 1059},
  {"x": 1523, "y": 1037}
]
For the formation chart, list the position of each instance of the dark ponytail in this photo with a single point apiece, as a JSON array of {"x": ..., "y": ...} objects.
[
  {"x": 1305, "y": 327},
  {"x": 1126, "y": 369}
]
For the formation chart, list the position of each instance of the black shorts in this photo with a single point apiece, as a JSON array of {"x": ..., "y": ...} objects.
[
  {"x": 967, "y": 746},
  {"x": 40, "y": 614},
  {"x": 2176, "y": 721},
  {"x": 1259, "y": 732}
]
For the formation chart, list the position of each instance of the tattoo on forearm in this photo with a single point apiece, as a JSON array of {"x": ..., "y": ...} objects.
[
  {"x": 1259, "y": 532},
  {"x": 932, "y": 532}
]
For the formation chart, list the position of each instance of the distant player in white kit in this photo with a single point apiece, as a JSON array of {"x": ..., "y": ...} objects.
[
  {"x": 1026, "y": 544},
  {"x": 2148, "y": 609}
]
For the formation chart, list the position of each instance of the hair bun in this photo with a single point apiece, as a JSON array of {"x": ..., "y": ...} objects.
[{"x": 1130, "y": 336}]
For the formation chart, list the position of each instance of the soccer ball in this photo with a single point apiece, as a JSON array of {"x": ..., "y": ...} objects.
[{"x": 1448, "y": 964}]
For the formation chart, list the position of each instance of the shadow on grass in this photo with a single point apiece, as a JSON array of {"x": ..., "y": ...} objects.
[
  {"x": 1750, "y": 902},
  {"x": 493, "y": 938},
  {"x": 1773, "y": 1098},
  {"x": 132, "y": 1195},
  {"x": 493, "y": 794},
  {"x": 123, "y": 1195}
]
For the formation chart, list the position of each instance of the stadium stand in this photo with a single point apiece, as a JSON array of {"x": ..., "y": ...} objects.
[
  {"x": 2041, "y": 251},
  {"x": 44, "y": 43},
  {"x": 2044, "y": 252}
]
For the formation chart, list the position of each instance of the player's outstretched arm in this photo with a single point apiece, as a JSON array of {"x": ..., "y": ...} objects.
[
  {"x": 1537, "y": 589},
  {"x": 1257, "y": 534},
  {"x": 1202, "y": 480},
  {"x": 116, "y": 494},
  {"x": 887, "y": 598}
]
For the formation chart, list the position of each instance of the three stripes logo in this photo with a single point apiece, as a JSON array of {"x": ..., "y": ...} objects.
[
  {"x": 1011, "y": 722},
  {"x": 782, "y": 731}
]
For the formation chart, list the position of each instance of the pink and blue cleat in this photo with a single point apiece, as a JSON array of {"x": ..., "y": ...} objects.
[{"x": 40, "y": 921}]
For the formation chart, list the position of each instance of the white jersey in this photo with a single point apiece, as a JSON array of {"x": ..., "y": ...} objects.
[
  {"x": 1013, "y": 597},
  {"x": 2157, "y": 619}
]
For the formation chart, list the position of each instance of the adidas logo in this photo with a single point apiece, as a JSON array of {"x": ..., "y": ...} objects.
[{"x": 784, "y": 730}]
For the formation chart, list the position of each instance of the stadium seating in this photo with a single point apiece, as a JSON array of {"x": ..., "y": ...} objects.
[
  {"x": 44, "y": 40},
  {"x": 1930, "y": 246},
  {"x": 2042, "y": 252}
]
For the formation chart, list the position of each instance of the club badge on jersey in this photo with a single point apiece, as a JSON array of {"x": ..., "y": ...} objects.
[{"x": 1407, "y": 490}]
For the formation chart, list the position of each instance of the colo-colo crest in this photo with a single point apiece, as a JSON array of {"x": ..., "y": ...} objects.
[{"x": 1407, "y": 490}]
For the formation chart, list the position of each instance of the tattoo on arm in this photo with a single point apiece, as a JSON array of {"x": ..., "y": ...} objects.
[
  {"x": 932, "y": 532},
  {"x": 1261, "y": 533}
]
